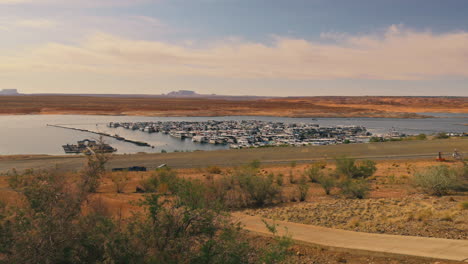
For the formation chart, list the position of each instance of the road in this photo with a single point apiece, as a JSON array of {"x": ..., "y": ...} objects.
[
  {"x": 278, "y": 155},
  {"x": 359, "y": 242}
]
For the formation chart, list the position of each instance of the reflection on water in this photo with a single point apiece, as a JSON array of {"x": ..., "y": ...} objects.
[{"x": 29, "y": 134}]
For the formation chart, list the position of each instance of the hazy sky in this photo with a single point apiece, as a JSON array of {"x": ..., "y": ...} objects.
[{"x": 256, "y": 47}]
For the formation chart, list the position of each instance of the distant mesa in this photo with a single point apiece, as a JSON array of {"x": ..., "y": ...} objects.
[
  {"x": 9, "y": 92},
  {"x": 184, "y": 93}
]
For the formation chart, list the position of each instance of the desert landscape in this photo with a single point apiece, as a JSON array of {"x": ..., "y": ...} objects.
[
  {"x": 392, "y": 203},
  {"x": 346, "y": 106}
]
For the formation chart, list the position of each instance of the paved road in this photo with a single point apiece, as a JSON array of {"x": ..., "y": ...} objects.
[
  {"x": 278, "y": 155},
  {"x": 375, "y": 244}
]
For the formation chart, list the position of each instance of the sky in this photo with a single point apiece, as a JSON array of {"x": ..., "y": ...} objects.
[{"x": 235, "y": 47}]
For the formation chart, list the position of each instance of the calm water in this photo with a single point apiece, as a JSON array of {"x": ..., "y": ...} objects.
[{"x": 29, "y": 134}]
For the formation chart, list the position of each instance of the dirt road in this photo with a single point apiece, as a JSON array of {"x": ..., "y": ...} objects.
[
  {"x": 279, "y": 155},
  {"x": 359, "y": 242}
]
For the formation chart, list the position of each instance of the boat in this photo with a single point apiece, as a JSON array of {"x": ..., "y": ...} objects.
[{"x": 88, "y": 147}]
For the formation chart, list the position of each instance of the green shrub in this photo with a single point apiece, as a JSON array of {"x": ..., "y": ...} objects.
[
  {"x": 421, "y": 137},
  {"x": 314, "y": 173},
  {"x": 464, "y": 205},
  {"x": 254, "y": 164},
  {"x": 214, "y": 170},
  {"x": 303, "y": 189},
  {"x": 279, "y": 251},
  {"x": 347, "y": 167},
  {"x": 163, "y": 178},
  {"x": 280, "y": 179},
  {"x": 437, "y": 180},
  {"x": 441, "y": 135},
  {"x": 355, "y": 188},
  {"x": 260, "y": 189},
  {"x": 180, "y": 226},
  {"x": 327, "y": 183}
]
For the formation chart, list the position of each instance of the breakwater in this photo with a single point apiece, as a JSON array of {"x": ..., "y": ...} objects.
[{"x": 135, "y": 142}]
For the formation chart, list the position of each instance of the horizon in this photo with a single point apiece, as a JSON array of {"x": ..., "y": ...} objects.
[
  {"x": 199, "y": 95},
  {"x": 255, "y": 48}
]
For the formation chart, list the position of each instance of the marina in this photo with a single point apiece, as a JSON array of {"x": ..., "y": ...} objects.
[
  {"x": 29, "y": 134},
  {"x": 252, "y": 133}
]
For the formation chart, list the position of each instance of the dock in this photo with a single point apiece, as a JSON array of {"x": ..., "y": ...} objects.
[{"x": 135, "y": 142}]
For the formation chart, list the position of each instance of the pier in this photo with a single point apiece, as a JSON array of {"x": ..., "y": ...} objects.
[{"x": 135, "y": 142}]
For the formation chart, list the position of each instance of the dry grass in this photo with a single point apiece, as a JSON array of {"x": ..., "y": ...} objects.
[
  {"x": 414, "y": 215},
  {"x": 394, "y": 206}
]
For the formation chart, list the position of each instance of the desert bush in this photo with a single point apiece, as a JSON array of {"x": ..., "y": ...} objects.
[
  {"x": 355, "y": 188},
  {"x": 347, "y": 167},
  {"x": 314, "y": 173},
  {"x": 161, "y": 180},
  {"x": 303, "y": 189},
  {"x": 279, "y": 251},
  {"x": 259, "y": 188},
  {"x": 120, "y": 180},
  {"x": 293, "y": 164},
  {"x": 437, "y": 180},
  {"x": 327, "y": 183},
  {"x": 94, "y": 170},
  {"x": 421, "y": 137},
  {"x": 463, "y": 205},
  {"x": 57, "y": 224},
  {"x": 441, "y": 135},
  {"x": 292, "y": 179},
  {"x": 44, "y": 229},
  {"x": 254, "y": 164},
  {"x": 280, "y": 179},
  {"x": 214, "y": 170}
]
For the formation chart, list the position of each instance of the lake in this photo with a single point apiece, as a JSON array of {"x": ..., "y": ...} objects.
[{"x": 29, "y": 134}]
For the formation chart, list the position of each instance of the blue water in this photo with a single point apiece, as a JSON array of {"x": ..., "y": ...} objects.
[{"x": 28, "y": 134}]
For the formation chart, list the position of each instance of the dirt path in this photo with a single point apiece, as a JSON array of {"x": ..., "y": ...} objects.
[{"x": 374, "y": 244}]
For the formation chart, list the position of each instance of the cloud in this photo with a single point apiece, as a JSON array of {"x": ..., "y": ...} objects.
[
  {"x": 36, "y": 23},
  {"x": 397, "y": 54}
]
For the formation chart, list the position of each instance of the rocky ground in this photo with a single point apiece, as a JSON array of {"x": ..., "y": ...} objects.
[{"x": 415, "y": 215}]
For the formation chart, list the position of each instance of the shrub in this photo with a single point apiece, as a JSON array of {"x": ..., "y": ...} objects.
[
  {"x": 94, "y": 169},
  {"x": 280, "y": 179},
  {"x": 366, "y": 169},
  {"x": 303, "y": 189},
  {"x": 421, "y": 137},
  {"x": 327, "y": 183},
  {"x": 259, "y": 188},
  {"x": 163, "y": 179},
  {"x": 347, "y": 167},
  {"x": 292, "y": 179},
  {"x": 254, "y": 164},
  {"x": 464, "y": 205},
  {"x": 437, "y": 180},
  {"x": 180, "y": 227},
  {"x": 279, "y": 251},
  {"x": 214, "y": 170},
  {"x": 441, "y": 135},
  {"x": 314, "y": 173},
  {"x": 293, "y": 164},
  {"x": 355, "y": 188},
  {"x": 120, "y": 180}
]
